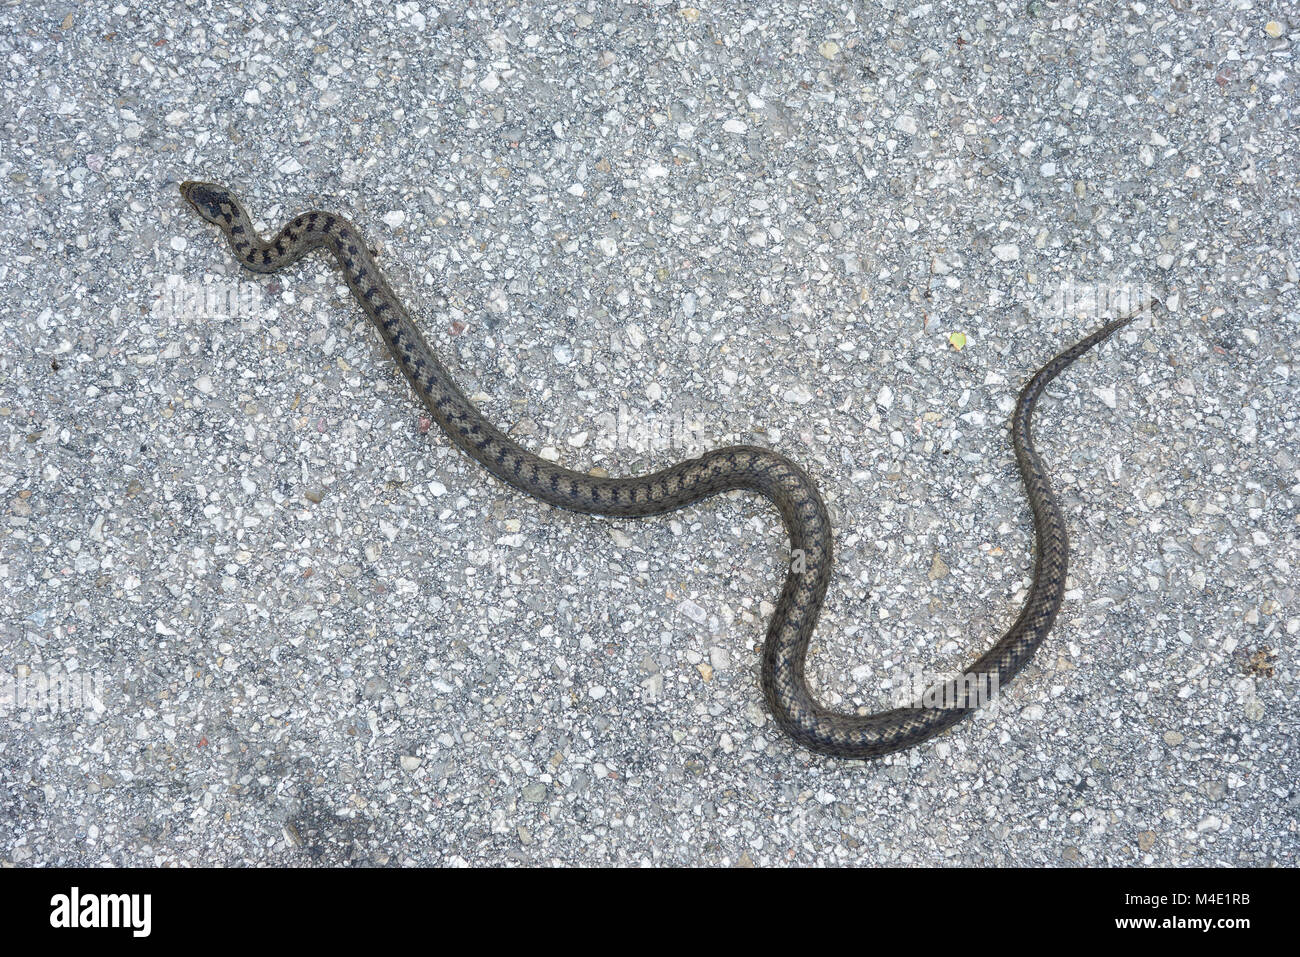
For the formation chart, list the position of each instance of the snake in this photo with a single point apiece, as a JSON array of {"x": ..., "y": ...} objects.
[{"x": 748, "y": 468}]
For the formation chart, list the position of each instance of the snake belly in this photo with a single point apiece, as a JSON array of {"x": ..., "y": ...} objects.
[{"x": 748, "y": 468}]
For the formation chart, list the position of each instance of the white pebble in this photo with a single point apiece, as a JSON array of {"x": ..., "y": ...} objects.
[
  {"x": 906, "y": 123},
  {"x": 692, "y": 611}
]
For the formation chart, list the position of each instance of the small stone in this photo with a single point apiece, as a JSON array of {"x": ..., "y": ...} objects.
[
  {"x": 1274, "y": 29},
  {"x": 1173, "y": 738},
  {"x": 905, "y": 123},
  {"x": 1007, "y": 252},
  {"x": 314, "y": 495},
  {"x": 938, "y": 569},
  {"x": 534, "y": 793},
  {"x": 204, "y": 384},
  {"x": 692, "y": 611},
  {"x": 410, "y": 762},
  {"x": 735, "y": 126},
  {"x": 829, "y": 49},
  {"x": 799, "y": 395},
  {"x": 1146, "y": 840}
]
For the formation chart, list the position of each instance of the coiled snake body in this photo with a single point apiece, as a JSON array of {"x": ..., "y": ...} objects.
[{"x": 753, "y": 469}]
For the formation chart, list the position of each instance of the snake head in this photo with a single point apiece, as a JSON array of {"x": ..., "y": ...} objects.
[{"x": 214, "y": 203}]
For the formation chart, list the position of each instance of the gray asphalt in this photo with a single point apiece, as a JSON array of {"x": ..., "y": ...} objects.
[{"x": 253, "y": 611}]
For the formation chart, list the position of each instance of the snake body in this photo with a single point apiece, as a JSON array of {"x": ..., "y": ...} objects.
[{"x": 750, "y": 468}]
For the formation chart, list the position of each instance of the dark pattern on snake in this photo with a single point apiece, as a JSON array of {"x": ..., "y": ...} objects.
[{"x": 750, "y": 468}]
